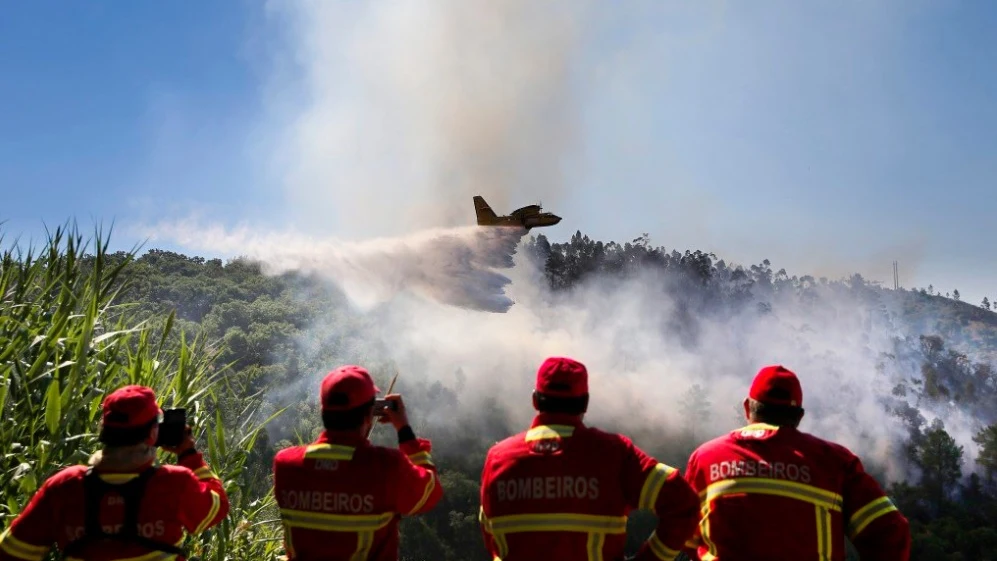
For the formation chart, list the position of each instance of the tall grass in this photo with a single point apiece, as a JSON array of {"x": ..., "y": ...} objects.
[{"x": 65, "y": 342}]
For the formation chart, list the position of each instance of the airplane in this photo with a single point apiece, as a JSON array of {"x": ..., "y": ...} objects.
[{"x": 531, "y": 216}]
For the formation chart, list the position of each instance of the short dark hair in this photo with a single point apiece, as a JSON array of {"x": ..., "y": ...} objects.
[
  {"x": 778, "y": 415},
  {"x": 126, "y": 436},
  {"x": 556, "y": 404},
  {"x": 348, "y": 419}
]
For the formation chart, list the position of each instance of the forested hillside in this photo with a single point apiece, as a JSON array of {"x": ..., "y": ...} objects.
[{"x": 230, "y": 342}]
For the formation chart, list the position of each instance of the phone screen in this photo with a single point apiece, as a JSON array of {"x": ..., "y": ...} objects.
[
  {"x": 381, "y": 404},
  {"x": 171, "y": 430}
]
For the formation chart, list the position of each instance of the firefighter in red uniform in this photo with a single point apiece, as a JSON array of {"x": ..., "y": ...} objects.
[
  {"x": 122, "y": 507},
  {"x": 341, "y": 497},
  {"x": 769, "y": 491},
  {"x": 562, "y": 490}
]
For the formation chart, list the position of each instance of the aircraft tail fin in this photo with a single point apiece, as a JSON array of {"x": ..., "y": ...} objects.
[{"x": 484, "y": 212}]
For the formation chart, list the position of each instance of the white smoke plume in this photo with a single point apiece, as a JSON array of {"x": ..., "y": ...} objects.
[
  {"x": 640, "y": 370},
  {"x": 425, "y": 296},
  {"x": 411, "y": 108},
  {"x": 451, "y": 266}
]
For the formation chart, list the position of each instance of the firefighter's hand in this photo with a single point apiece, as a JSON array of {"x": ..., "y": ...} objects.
[
  {"x": 399, "y": 418},
  {"x": 186, "y": 444}
]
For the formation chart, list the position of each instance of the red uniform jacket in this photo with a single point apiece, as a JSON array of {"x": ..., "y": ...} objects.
[
  {"x": 187, "y": 497},
  {"x": 562, "y": 490},
  {"x": 780, "y": 494},
  {"x": 341, "y": 498}
]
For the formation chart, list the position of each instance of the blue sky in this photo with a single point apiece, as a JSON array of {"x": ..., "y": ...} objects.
[{"x": 826, "y": 139}]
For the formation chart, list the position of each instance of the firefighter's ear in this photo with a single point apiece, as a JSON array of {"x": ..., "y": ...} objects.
[
  {"x": 536, "y": 400},
  {"x": 153, "y": 435},
  {"x": 747, "y": 409}
]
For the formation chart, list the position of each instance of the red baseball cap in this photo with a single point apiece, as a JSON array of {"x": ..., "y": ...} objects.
[
  {"x": 777, "y": 385},
  {"x": 347, "y": 387},
  {"x": 129, "y": 407},
  {"x": 562, "y": 377}
]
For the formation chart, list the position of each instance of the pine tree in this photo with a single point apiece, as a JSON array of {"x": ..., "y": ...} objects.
[
  {"x": 940, "y": 460},
  {"x": 695, "y": 407},
  {"x": 987, "y": 439}
]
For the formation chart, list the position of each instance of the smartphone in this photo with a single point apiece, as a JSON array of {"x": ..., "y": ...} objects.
[
  {"x": 171, "y": 430},
  {"x": 381, "y": 404}
]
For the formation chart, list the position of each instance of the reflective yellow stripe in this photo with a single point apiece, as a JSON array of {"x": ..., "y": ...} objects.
[
  {"x": 865, "y": 515},
  {"x": 652, "y": 486},
  {"x": 9, "y": 550},
  {"x": 824, "y": 502},
  {"x": 704, "y": 534},
  {"x": 659, "y": 549},
  {"x": 335, "y": 522},
  {"x": 549, "y": 431},
  {"x": 594, "y": 546},
  {"x": 503, "y": 545},
  {"x": 825, "y": 545},
  {"x": 821, "y": 544},
  {"x": 759, "y": 426},
  {"x": 22, "y": 550},
  {"x": 205, "y": 472},
  {"x": 421, "y": 459},
  {"x": 558, "y": 522},
  {"x": 154, "y": 556},
  {"x": 500, "y": 542},
  {"x": 215, "y": 505},
  {"x": 364, "y": 542},
  {"x": 425, "y": 494},
  {"x": 288, "y": 542},
  {"x": 117, "y": 478},
  {"x": 780, "y": 487},
  {"x": 704, "y": 526},
  {"x": 329, "y": 452},
  {"x": 595, "y": 526}
]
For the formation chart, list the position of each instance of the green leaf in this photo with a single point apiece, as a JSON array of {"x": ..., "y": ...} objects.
[
  {"x": 4, "y": 380},
  {"x": 28, "y": 484},
  {"x": 220, "y": 432},
  {"x": 53, "y": 407}
]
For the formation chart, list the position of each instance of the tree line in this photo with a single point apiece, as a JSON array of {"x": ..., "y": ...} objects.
[{"x": 218, "y": 337}]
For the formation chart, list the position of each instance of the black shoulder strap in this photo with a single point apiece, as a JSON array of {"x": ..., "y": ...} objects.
[
  {"x": 132, "y": 492},
  {"x": 93, "y": 491}
]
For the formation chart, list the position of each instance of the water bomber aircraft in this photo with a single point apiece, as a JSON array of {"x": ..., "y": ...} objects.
[{"x": 531, "y": 216}]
